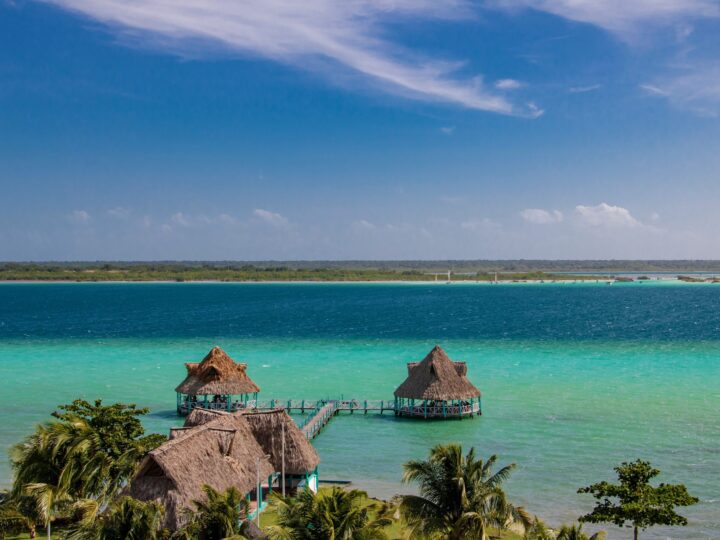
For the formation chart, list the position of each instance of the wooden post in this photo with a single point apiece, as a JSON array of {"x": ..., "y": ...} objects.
[
  {"x": 444, "y": 409},
  {"x": 283, "y": 460},
  {"x": 229, "y": 402},
  {"x": 425, "y": 402}
]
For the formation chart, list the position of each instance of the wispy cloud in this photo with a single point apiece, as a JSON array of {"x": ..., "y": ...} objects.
[
  {"x": 583, "y": 89},
  {"x": 80, "y": 217},
  {"x": 508, "y": 84},
  {"x": 619, "y": 16},
  {"x": 694, "y": 87},
  {"x": 119, "y": 212},
  {"x": 362, "y": 225},
  {"x": 271, "y": 218},
  {"x": 448, "y": 130},
  {"x": 539, "y": 216},
  {"x": 323, "y": 35},
  {"x": 480, "y": 225}
]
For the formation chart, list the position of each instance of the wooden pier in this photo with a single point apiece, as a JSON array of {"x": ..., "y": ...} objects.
[{"x": 319, "y": 412}]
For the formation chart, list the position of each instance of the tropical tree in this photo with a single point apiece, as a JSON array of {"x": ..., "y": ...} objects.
[
  {"x": 125, "y": 519},
  {"x": 217, "y": 516},
  {"x": 334, "y": 514},
  {"x": 17, "y": 515},
  {"x": 634, "y": 502},
  {"x": 88, "y": 453},
  {"x": 460, "y": 496},
  {"x": 537, "y": 531},
  {"x": 575, "y": 532}
]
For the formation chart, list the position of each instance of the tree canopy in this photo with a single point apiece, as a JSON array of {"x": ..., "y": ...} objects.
[{"x": 633, "y": 502}]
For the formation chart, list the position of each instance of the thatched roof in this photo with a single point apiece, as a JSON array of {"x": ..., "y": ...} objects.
[
  {"x": 437, "y": 377},
  {"x": 221, "y": 454},
  {"x": 217, "y": 374},
  {"x": 300, "y": 456}
]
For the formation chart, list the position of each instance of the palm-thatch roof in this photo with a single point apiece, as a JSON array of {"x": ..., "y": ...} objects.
[
  {"x": 221, "y": 454},
  {"x": 300, "y": 456},
  {"x": 217, "y": 374},
  {"x": 437, "y": 377}
]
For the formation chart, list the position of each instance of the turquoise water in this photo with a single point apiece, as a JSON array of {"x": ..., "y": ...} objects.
[{"x": 575, "y": 378}]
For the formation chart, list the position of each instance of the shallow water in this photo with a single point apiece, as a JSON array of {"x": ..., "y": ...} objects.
[{"x": 575, "y": 377}]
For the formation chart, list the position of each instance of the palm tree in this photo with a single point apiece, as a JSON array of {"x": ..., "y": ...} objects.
[
  {"x": 538, "y": 531},
  {"x": 218, "y": 516},
  {"x": 460, "y": 497},
  {"x": 575, "y": 532},
  {"x": 334, "y": 514},
  {"x": 72, "y": 461},
  {"x": 125, "y": 519}
]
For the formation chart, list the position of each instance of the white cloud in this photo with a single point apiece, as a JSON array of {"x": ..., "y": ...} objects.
[
  {"x": 480, "y": 225},
  {"x": 654, "y": 90},
  {"x": 583, "y": 89},
  {"x": 323, "y": 35},
  {"x": 272, "y": 218},
  {"x": 619, "y": 16},
  {"x": 605, "y": 215},
  {"x": 80, "y": 217},
  {"x": 227, "y": 219},
  {"x": 540, "y": 216},
  {"x": 448, "y": 130},
  {"x": 179, "y": 218},
  {"x": 507, "y": 84},
  {"x": 119, "y": 212},
  {"x": 694, "y": 87},
  {"x": 363, "y": 225}
]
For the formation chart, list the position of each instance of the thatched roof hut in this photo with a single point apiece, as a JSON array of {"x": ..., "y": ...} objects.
[
  {"x": 222, "y": 453},
  {"x": 437, "y": 378},
  {"x": 217, "y": 374},
  {"x": 266, "y": 426}
]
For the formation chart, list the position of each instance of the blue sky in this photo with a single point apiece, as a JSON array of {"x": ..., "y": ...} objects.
[{"x": 276, "y": 129}]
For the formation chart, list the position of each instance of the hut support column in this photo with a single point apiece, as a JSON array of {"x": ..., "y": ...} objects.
[
  {"x": 179, "y": 400},
  {"x": 425, "y": 407}
]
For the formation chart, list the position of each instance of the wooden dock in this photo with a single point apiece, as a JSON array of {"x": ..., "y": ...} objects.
[{"x": 319, "y": 412}]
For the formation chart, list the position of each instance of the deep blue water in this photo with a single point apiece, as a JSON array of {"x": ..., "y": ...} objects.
[{"x": 345, "y": 311}]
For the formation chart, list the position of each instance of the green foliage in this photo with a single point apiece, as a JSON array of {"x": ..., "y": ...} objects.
[
  {"x": 329, "y": 515},
  {"x": 634, "y": 502},
  {"x": 17, "y": 515},
  {"x": 326, "y": 271},
  {"x": 124, "y": 519},
  {"x": 537, "y": 531},
  {"x": 460, "y": 497},
  {"x": 218, "y": 516},
  {"x": 575, "y": 532},
  {"x": 117, "y": 426},
  {"x": 87, "y": 454}
]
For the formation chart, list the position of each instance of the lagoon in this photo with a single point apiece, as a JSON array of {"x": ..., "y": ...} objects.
[{"x": 575, "y": 377}]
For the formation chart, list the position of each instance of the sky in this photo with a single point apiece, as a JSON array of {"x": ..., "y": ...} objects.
[{"x": 359, "y": 129}]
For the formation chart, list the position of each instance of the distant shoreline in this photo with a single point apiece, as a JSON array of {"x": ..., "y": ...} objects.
[{"x": 599, "y": 281}]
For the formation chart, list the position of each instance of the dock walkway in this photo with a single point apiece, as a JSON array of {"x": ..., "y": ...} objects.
[{"x": 321, "y": 411}]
